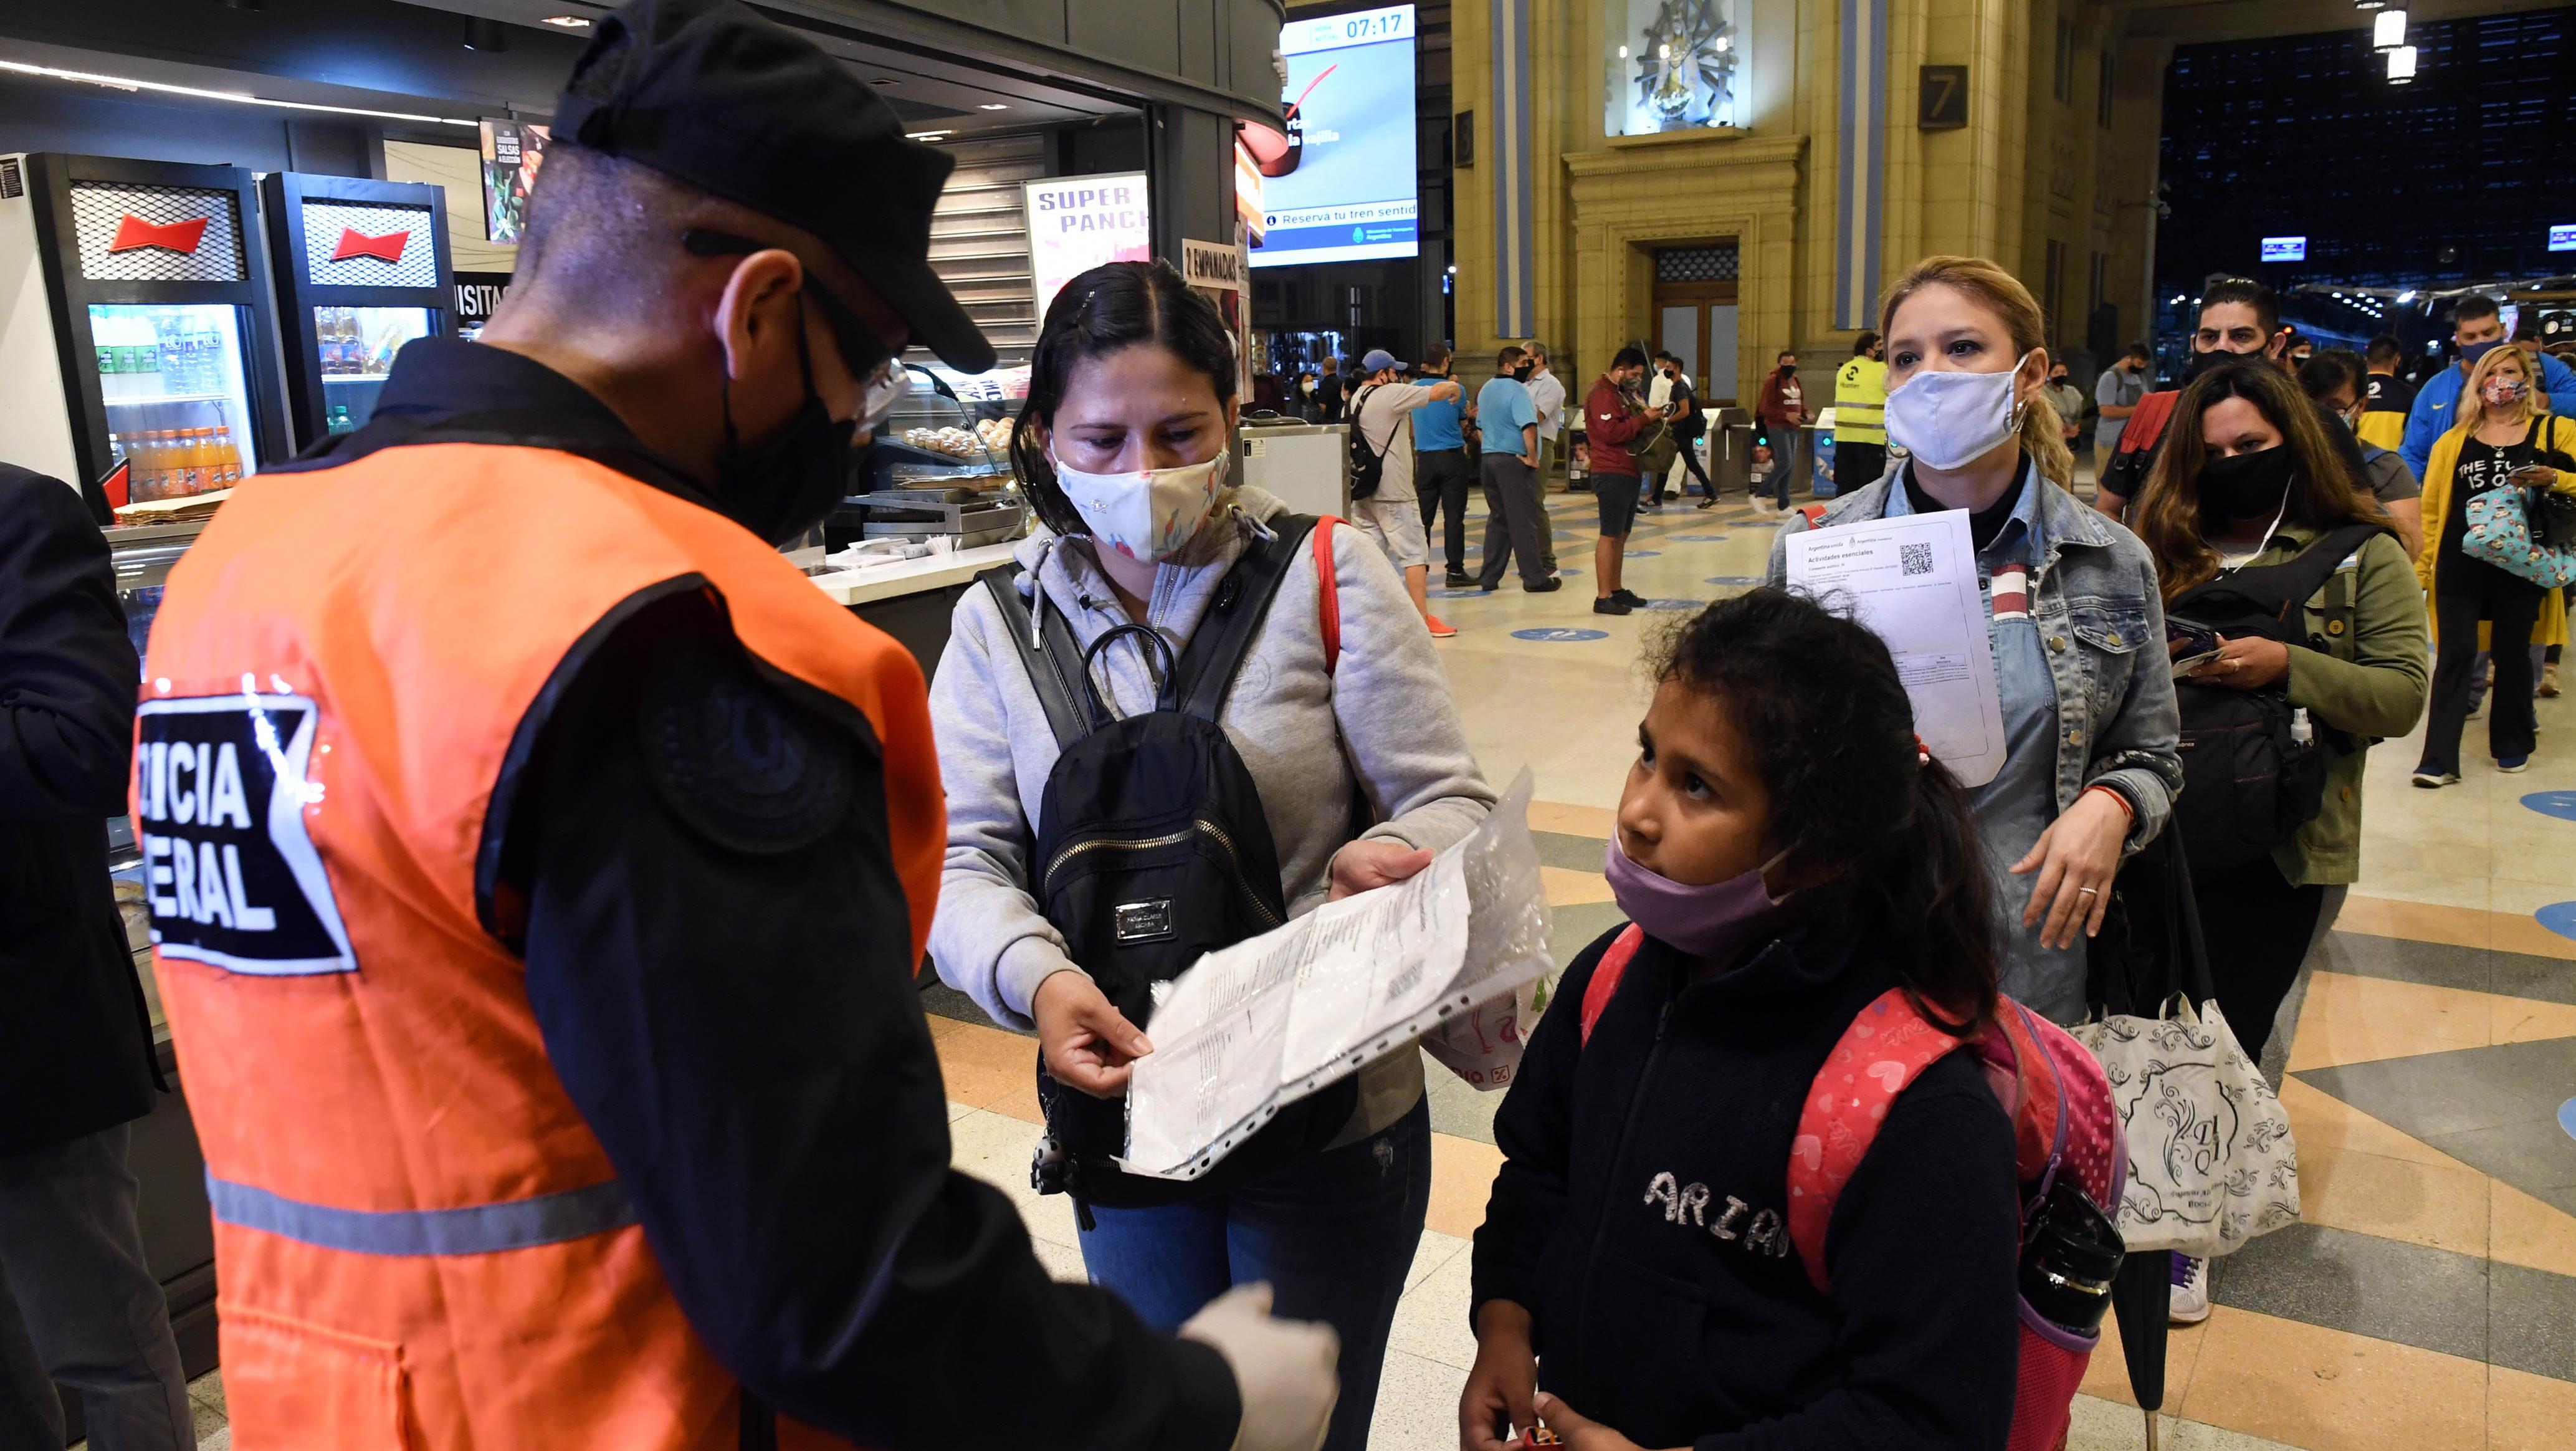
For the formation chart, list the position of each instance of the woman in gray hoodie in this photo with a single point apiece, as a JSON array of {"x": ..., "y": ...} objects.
[{"x": 1123, "y": 449}]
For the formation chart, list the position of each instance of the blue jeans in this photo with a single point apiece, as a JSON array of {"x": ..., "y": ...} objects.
[
  {"x": 1786, "y": 444},
  {"x": 1333, "y": 1236}
]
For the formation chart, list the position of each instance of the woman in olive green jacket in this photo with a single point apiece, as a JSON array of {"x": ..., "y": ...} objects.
[{"x": 2248, "y": 477}]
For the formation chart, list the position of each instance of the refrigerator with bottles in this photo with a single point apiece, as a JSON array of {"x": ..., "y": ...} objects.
[
  {"x": 138, "y": 353},
  {"x": 362, "y": 268}
]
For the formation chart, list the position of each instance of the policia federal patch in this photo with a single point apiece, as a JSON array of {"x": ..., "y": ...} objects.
[{"x": 229, "y": 873}]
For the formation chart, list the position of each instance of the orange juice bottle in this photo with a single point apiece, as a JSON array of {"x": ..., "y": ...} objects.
[
  {"x": 152, "y": 465},
  {"x": 138, "y": 452},
  {"x": 191, "y": 463},
  {"x": 227, "y": 457}
]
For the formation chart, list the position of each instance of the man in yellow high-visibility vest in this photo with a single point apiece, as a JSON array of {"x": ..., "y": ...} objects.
[{"x": 1860, "y": 415}]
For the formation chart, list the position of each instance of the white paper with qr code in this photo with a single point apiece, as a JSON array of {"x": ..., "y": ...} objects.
[
  {"x": 1253, "y": 1027},
  {"x": 1913, "y": 580}
]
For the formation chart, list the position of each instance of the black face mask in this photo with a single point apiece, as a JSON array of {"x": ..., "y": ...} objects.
[
  {"x": 1788, "y": 370},
  {"x": 2057, "y": 380},
  {"x": 787, "y": 484},
  {"x": 2248, "y": 486},
  {"x": 2202, "y": 362},
  {"x": 1522, "y": 371}
]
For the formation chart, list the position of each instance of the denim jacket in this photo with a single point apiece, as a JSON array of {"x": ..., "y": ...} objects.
[{"x": 2094, "y": 598}]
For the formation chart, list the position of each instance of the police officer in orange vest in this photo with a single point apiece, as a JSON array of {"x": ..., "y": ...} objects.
[{"x": 538, "y": 863}]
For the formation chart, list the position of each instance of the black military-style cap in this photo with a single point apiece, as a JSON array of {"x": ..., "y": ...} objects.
[{"x": 712, "y": 95}]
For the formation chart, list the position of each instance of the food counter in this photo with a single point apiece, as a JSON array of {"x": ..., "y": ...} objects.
[{"x": 911, "y": 600}]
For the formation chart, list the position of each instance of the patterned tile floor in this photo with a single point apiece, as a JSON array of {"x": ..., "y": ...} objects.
[{"x": 2428, "y": 1300}]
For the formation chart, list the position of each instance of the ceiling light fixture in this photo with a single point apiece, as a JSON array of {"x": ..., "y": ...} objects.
[
  {"x": 2368, "y": 4},
  {"x": 122, "y": 83},
  {"x": 2389, "y": 31},
  {"x": 992, "y": 106},
  {"x": 567, "y": 22},
  {"x": 2401, "y": 66},
  {"x": 925, "y": 135}
]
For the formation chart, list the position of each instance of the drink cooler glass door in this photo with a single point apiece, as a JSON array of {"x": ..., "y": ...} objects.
[
  {"x": 357, "y": 346},
  {"x": 178, "y": 402}
]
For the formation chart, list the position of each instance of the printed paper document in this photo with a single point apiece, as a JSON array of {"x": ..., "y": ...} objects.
[{"x": 1913, "y": 580}]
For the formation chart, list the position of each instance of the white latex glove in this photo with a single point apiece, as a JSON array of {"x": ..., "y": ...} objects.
[{"x": 1283, "y": 1369}]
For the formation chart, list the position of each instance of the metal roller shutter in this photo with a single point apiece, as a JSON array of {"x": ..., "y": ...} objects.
[{"x": 979, "y": 240}]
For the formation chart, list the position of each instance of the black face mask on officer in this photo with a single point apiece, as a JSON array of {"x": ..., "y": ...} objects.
[
  {"x": 1522, "y": 370},
  {"x": 787, "y": 483},
  {"x": 2247, "y": 486}
]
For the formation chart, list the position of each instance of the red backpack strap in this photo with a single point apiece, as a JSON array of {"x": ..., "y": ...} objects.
[
  {"x": 1328, "y": 593},
  {"x": 1887, "y": 1046},
  {"x": 1607, "y": 972},
  {"x": 2146, "y": 426},
  {"x": 1815, "y": 515}
]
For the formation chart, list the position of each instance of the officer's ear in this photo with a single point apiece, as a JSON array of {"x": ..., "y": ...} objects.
[{"x": 757, "y": 318}]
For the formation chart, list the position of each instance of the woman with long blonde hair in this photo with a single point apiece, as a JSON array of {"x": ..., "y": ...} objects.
[
  {"x": 2498, "y": 439},
  {"x": 2073, "y": 615}
]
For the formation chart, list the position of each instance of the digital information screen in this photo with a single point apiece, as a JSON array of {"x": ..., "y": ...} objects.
[
  {"x": 2285, "y": 249},
  {"x": 2562, "y": 239},
  {"x": 1345, "y": 189}
]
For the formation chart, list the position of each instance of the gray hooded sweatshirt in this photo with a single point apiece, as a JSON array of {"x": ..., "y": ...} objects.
[{"x": 1384, "y": 718}]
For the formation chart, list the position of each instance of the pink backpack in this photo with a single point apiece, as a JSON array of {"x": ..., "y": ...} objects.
[{"x": 2063, "y": 1123}]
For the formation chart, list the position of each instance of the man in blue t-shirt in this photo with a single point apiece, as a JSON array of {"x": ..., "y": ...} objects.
[
  {"x": 1440, "y": 471},
  {"x": 1515, "y": 516}
]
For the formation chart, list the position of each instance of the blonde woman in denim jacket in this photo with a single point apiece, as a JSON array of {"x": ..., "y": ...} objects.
[{"x": 2075, "y": 621}]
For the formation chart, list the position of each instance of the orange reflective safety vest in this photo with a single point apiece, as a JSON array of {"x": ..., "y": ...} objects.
[{"x": 421, "y": 1244}]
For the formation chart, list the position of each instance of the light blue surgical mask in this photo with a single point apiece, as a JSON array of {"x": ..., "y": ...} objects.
[{"x": 1949, "y": 419}]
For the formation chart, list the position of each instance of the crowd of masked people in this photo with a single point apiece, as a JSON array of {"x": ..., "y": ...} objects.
[{"x": 537, "y": 923}]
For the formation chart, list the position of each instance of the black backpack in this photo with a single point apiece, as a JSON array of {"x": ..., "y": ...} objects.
[
  {"x": 2249, "y": 783},
  {"x": 1368, "y": 465},
  {"x": 1152, "y": 850}
]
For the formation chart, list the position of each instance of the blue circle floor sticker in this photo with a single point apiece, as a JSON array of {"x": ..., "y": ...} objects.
[
  {"x": 1733, "y": 579},
  {"x": 1697, "y": 538},
  {"x": 1560, "y": 635},
  {"x": 1674, "y": 604},
  {"x": 2567, "y": 1117},
  {"x": 2558, "y": 917},
  {"x": 2561, "y": 804},
  {"x": 1643, "y": 554}
]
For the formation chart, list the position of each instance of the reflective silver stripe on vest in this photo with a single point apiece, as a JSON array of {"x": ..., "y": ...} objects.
[{"x": 479, "y": 1229}]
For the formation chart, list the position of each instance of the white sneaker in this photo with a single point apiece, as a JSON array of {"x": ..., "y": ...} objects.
[{"x": 2190, "y": 1290}]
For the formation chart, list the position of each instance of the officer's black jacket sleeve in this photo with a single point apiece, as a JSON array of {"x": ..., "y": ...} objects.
[
  {"x": 67, "y": 668},
  {"x": 718, "y": 954}
]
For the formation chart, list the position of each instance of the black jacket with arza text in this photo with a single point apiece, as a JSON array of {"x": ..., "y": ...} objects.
[{"x": 1641, "y": 1217}]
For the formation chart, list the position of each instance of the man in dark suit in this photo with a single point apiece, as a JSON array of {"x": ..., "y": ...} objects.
[{"x": 78, "y": 1305}]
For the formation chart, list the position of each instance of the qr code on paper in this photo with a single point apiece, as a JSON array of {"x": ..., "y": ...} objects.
[{"x": 1916, "y": 558}]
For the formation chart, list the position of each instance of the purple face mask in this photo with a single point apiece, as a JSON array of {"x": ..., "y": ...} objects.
[{"x": 1709, "y": 922}]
